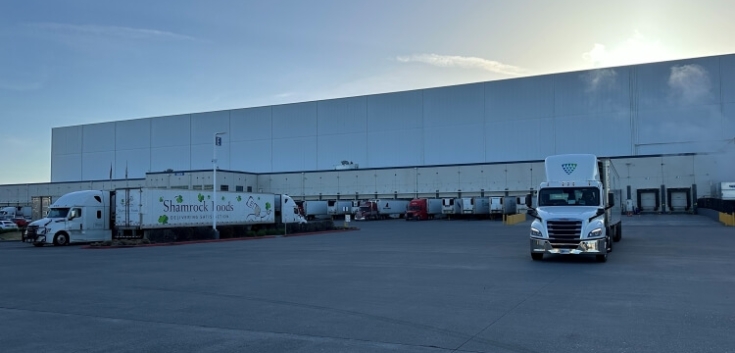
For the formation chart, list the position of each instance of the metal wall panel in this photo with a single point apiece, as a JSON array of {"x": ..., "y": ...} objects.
[
  {"x": 252, "y": 156},
  {"x": 727, "y": 72},
  {"x": 250, "y": 124},
  {"x": 454, "y": 144},
  {"x": 454, "y": 106},
  {"x": 519, "y": 99},
  {"x": 394, "y": 148},
  {"x": 67, "y": 167},
  {"x": 447, "y": 179},
  {"x": 98, "y": 137},
  {"x": 728, "y": 121},
  {"x": 688, "y": 82},
  {"x": 201, "y": 156},
  {"x": 395, "y": 111},
  {"x": 66, "y": 140},
  {"x": 602, "y": 135},
  {"x": 342, "y": 116},
  {"x": 97, "y": 165},
  {"x": 294, "y": 120},
  {"x": 519, "y": 140},
  {"x": 174, "y": 157},
  {"x": 133, "y": 134},
  {"x": 294, "y": 154},
  {"x": 170, "y": 131},
  {"x": 137, "y": 162},
  {"x": 592, "y": 92},
  {"x": 204, "y": 125},
  {"x": 680, "y": 124},
  {"x": 332, "y": 149}
]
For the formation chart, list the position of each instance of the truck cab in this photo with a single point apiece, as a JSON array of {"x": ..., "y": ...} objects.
[
  {"x": 578, "y": 208},
  {"x": 81, "y": 216}
]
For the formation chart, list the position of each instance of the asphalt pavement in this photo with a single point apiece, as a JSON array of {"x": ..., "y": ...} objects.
[{"x": 392, "y": 286}]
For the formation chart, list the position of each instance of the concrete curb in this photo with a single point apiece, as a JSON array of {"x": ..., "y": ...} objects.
[{"x": 214, "y": 240}]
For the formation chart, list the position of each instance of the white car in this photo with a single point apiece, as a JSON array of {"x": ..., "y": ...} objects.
[{"x": 8, "y": 225}]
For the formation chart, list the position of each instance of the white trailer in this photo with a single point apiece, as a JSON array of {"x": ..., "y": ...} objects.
[
  {"x": 98, "y": 215},
  {"x": 465, "y": 205},
  {"x": 480, "y": 205},
  {"x": 451, "y": 206},
  {"x": 392, "y": 207},
  {"x": 726, "y": 191},
  {"x": 339, "y": 207},
  {"x": 496, "y": 205},
  {"x": 13, "y": 212},
  {"x": 313, "y": 209},
  {"x": 510, "y": 205}
]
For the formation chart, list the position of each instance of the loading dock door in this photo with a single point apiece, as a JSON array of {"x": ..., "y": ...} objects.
[
  {"x": 648, "y": 201},
  {"x": 679, "y": 201}
]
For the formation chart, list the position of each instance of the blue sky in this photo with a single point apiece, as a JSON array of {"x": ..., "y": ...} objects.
[{"x": 83, "y": 61}]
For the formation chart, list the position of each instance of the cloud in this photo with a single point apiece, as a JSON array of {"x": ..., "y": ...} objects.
[
  {"x": 634, "y": 50},
  {"x": 465, "y": 62},
  {"x": 110, "y": 31},
  {"x": 689, "y": 84},
  {"x": 601, "y": 78}
]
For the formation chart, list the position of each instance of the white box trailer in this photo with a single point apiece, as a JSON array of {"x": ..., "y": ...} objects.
[
  {"x": 727, "y": 190},
  {"x": 480, "y": 205},
  {"x": 148, "y": 208},
  {"x": 451, "y": 206},
  {"x": 503, "y": 205},
  {"x": 392, "y": 207},
  {"x": 496, "y": 205},
  {"x": 12, "y": 212},
  {"x": 465, "y": 205},
  {"x": 339, "y": 207},
  {"x": 313, "y": 209}
]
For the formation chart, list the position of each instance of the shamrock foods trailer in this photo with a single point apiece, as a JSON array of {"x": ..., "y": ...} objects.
[{"x": 98, "y": 215}]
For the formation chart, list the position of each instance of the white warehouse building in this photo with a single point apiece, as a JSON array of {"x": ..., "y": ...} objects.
[{"x": 669, "y": 126}]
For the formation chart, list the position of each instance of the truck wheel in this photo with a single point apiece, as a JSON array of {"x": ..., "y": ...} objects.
[
  {"x": 618, "y": 233},
  {"x": 537, "y": 256},
  {"x": 61, "y": 239}
]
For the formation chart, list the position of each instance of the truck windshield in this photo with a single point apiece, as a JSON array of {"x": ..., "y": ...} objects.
[
  {"x": 58, "y": 213},
  {"x": 365, "y": 208},
  {"x": 574, "y": 196},
  {"x": 414, "y": 208}
]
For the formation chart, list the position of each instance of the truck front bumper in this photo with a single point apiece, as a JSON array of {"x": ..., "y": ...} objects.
[{"x": 583, "y": 247}]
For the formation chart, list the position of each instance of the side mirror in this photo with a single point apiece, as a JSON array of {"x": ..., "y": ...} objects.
[
  {"x": 529, "y": 200},
  {"x": 610, "y": 199}
]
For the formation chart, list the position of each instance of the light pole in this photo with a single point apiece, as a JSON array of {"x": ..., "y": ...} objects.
[{"x": 217, "y": 142}]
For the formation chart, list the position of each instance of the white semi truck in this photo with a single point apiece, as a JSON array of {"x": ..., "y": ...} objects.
[
  {"x": 99, "y": 215},
  {"x": 578, "y": 207}
]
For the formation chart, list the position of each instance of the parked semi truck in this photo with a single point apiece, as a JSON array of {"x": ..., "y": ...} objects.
[
  {"x": 99, "y": 215},
  {"x": 423, "y": 209},
  {"x": 381, "y": 209},
  {"x": 578, "y": 207}
]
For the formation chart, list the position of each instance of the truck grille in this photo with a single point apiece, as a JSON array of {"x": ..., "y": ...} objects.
[
  {"x": 31, "y": 232},
  {"x": 564, "y": 231}
]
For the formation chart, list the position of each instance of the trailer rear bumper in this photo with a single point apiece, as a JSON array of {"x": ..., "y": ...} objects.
[{"x": 583, "y": 247}]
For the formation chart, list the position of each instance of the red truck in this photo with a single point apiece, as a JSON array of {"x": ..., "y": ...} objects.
[{"x": 423, "y": 209}]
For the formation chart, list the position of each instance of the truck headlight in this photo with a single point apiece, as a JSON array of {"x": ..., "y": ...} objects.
[
  {"x": 535, "y": 232},
  {"x": 595, "y": 233}
]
